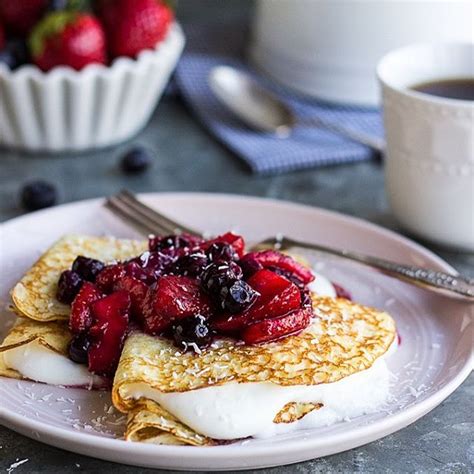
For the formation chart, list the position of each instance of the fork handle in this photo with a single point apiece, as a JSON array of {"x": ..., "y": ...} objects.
[{"x": 431, "y": 279}]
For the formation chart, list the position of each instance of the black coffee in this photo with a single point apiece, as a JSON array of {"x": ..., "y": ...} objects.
[{"x": 462, "y": 89}]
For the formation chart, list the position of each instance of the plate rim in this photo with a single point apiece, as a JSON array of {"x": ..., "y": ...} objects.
[{"x": 362, "y": 434}]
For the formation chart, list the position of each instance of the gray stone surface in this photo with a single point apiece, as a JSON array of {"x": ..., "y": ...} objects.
[{"x": 188, "y": 159}]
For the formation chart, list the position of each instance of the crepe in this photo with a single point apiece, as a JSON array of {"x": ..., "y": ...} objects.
[
  {"x": 34, "y": 296},
  {"x": 54, "y": 336},
  {"x": 344, "y": 338},
  {"x": 41, "y": 317},
  {"x": 148, "y": 422}
]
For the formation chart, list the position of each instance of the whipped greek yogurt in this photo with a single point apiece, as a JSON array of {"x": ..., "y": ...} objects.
[
  {"x": 36, "y": 362},
  {"x": 322, "y": 286},
  {"x": 240, "y": 410}
]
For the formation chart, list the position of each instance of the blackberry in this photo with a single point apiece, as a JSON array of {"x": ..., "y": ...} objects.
[
  {"x": 149, "y": 266},
  {"x": 69, "y": 285},
  {"x": 221, "y": 252},
  {"x": 168, "y": 242},
  {"x": 87, "y": 268},
  {"x": 190, "y": 265},
  {"x": 192, "y": 333}
]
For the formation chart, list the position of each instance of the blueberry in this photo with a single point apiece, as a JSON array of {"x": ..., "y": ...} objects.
[
  {"x": 238, "y": 296},
  {"x": 57, "y": 5},
  {"x": 8, "y": 59},
  {"x": 78, "y": 349},
  {"x": 219, "y": 275},
  {"x": 220, "y": 251},
  {"x": 15, "y": 54},
  {"x": 135, "y": 161},
  {"x": 69, "y": 285},
  {"x": 192, "y": 333},
  {"x": 87, "y": 268},
  {"x": 38, "y": 195},
  {"x": 190, "y": 265}
]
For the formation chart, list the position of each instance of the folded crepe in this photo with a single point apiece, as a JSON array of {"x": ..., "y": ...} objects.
[
  {"x": 345, "y": 338},
  {"x": 41, "y": 329},
  {"x": 53, "y": 336},
  {"x": 34, "y": 296}
]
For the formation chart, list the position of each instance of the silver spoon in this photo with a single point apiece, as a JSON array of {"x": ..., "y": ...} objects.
[{"x": 263, "y": 111}]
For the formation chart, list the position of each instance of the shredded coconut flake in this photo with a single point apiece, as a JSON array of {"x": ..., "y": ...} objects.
[{"x": 16, "y": 464}]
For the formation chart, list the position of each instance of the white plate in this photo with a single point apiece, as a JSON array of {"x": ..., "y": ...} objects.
[{"x": 433, "y": 359}]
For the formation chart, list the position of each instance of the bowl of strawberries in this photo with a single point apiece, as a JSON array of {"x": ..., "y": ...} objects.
[{"x": 82, "y": 74}]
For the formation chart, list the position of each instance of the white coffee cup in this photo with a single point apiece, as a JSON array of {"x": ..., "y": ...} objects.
[{"x": 429, "y": 168}]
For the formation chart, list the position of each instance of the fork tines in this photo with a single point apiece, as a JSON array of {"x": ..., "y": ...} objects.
[{"x": 145, "y": 219}]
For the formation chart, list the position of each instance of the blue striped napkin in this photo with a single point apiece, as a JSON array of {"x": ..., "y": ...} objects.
[{"x": 265, "y": 154}]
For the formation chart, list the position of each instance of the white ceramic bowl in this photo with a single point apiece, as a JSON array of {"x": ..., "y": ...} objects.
[
  {"x": 329, "y": 49},
  {"x": 430, "y": 143},
  {"x": 67, "y": 110}
]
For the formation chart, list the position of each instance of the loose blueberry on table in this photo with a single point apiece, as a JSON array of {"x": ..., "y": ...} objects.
[
  {"x": 187, "y": 289},
  {"x": 137, "y": 160},
  {"x": 37, "y": 195}
]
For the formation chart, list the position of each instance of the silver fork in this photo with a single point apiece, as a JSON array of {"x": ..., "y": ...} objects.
[{"x": 146, "y": 220}]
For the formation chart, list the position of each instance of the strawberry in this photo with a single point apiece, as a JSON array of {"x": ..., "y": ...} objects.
[
  {"x": 171, "y": 299},
  {"x": 68, "y": 38},
  {"x": 277, "y": 296},
  {"x": 19, "y": 16},
  {"x": 269, "y": 330},
  {"x": 134, "y": 25},
  {"x": 108, "y": 331},
  {"x": 235, "y": 240},
  {"x": 137, "y": 291},
  {"x": 80, "y": 318},
  {"x": 281, "y": 263}
]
